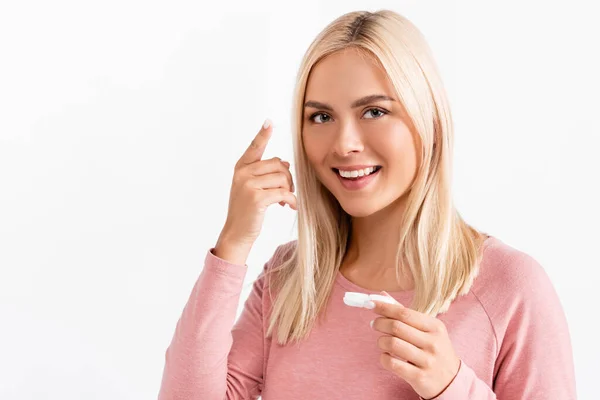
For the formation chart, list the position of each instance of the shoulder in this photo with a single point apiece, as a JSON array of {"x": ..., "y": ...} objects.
[
  {"x": 509, "y": 271},
  {"x": 513, "y": 287}
]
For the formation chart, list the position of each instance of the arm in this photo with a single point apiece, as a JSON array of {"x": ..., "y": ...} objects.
[
  {"x": 209, "y": 357},
  {"x": 535, "y": 360}
]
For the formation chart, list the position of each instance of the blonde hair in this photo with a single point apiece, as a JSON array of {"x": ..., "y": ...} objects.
[{"x": 440, "y": 249}]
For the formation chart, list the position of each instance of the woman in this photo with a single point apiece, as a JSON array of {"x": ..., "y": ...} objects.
[{"x": 471, "y": 317}]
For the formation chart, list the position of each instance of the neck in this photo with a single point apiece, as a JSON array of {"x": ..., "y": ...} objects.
[{"x": 371, "y": 254}]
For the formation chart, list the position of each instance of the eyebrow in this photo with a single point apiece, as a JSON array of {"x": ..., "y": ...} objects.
[{"x": 360, "y": 102}]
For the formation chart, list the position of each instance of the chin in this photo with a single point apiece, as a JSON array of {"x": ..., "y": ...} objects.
[{"x": 359, "y": 209}]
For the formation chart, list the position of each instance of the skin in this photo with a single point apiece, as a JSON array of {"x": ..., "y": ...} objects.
[
  {"x": 375, "y": 133},
  {"x": 416, "y": 347}
]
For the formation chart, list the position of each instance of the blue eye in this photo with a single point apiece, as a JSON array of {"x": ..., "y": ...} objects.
[
  {"x": 379, "y": 113},
  {"x": 312, "y": 118},
  {"x": 379, "y": 110}
]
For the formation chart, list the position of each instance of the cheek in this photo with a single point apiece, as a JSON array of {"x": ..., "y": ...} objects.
[
  {"x": 400, "y": 152},
  {"x": 315, "y": 150},
  {"x": 316, "y": 154}
]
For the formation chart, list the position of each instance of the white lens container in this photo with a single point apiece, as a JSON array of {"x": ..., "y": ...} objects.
[{"x": 357, "y": 299}]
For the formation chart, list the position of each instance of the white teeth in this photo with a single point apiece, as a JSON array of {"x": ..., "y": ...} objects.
[{"x": 357, "y": 173}]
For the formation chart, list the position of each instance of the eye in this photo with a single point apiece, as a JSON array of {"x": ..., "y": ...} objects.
[
  {"x": 375, "y": 113},
  {"x": 377, "y": 110},
  {"x": 312, "y": 117}
]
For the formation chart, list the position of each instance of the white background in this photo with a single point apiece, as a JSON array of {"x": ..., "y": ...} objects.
[{"x": 120, "y": 123}]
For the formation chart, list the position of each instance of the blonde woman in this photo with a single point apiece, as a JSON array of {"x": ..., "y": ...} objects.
[{"x": 470, "y": 316}]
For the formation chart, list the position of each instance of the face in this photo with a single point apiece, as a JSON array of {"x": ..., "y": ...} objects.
[{"x": 344, "y": 129}]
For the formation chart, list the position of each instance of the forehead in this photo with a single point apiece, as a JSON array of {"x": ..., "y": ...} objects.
[{"x": 347, "y": 75}]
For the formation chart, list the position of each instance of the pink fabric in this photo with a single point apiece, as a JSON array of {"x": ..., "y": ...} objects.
[{"x": 510, "y": 332}]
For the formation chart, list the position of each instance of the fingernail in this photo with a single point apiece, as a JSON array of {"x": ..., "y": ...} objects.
[
  {"x": 267, "y": 123},
  {"x": 371, "y": 323},
  {"x": 370, "y": 305}
]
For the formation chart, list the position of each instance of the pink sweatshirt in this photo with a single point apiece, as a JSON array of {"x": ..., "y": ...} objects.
[{"x": 509, "y": 331}]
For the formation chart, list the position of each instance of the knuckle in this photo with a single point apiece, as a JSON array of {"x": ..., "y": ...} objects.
[
  {"x": 239, "y": 165},
  {"x": 434, "y": 347},
  {"x": 254, "y": 144},
  {"x": 396, "y": 346},
  {"x": 244, "y": 183},
  {"x": 440, "y": 326},
  {"x": 395, "y": 364},
  {"x": 289, "y": 177},
  {"x": 392, "y": 363},
  {"x": 427, "y": 362},
  {"x": 405, "y": 314},
  {"x": 239, "y": 175},
  {"x": 397, "y": 328}
]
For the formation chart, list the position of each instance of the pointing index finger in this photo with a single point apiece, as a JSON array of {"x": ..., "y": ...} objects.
[{"x": 255, "y": 151}]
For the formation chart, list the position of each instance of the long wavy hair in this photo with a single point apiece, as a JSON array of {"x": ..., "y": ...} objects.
[{"x": 441, "y": 250}]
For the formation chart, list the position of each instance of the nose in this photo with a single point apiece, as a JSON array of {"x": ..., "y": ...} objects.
[{"x": 348, "y": 140}]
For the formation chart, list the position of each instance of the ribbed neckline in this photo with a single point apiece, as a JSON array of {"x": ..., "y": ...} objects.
[{"x": 351, "y": 286}]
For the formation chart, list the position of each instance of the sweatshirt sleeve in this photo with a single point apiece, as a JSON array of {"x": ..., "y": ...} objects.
[
  {"x": 209, "y": 356},
  {"x": 535, "y": 358}
]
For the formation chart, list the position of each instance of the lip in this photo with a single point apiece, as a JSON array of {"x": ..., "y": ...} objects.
[{"x": 358, "y": 183}]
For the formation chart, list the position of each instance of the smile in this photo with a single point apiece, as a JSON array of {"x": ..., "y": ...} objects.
[{"x": 356, "y": 180}]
